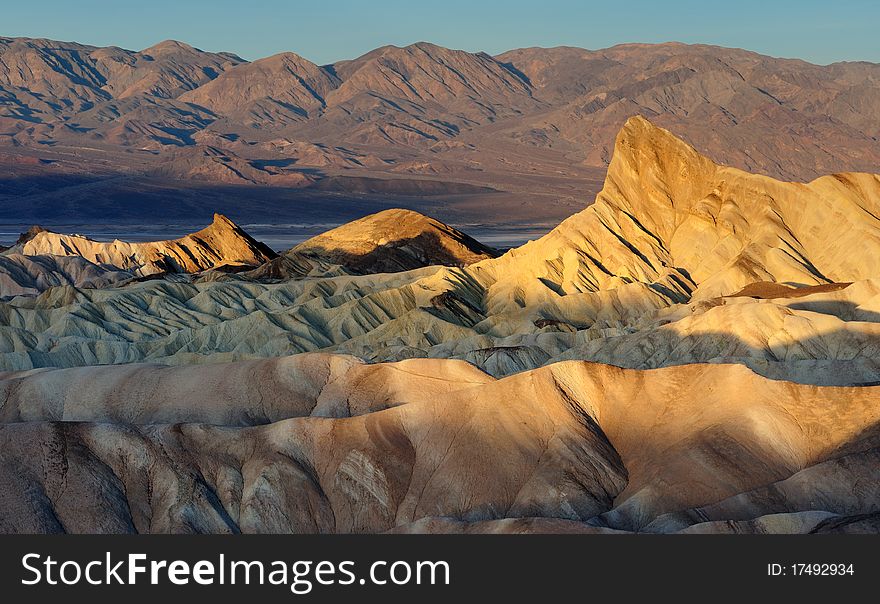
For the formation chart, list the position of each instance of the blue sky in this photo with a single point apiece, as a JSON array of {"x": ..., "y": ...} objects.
[{"x": 327, "y": 30}]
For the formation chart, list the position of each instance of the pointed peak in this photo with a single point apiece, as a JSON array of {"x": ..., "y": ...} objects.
[
  {"x": 167, "y": 46},
  {"x": 431, "y": 50},
  {"x": 640, "y": 128},
  {"x": 30, "y": 234},
  {"x": 223, "y": 227},
  {"x": 224, "y": 232},
  {"x": 287, "y": 55},
  {"x": 222, "y": 221},
  {"x": 639, "y": 121},
  {"x": 641, "y": 145},
  {"x": 428, "y": 46}
]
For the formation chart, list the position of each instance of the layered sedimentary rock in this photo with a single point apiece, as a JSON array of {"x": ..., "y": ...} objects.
[
  {"x": 673, "y": 220},
  {"x": 236, "y": 394},
  {"x": 678, "y": 261},
  {"x": 221, "y": 243},
  {"x": 22, "y": 275},
  {"x": 695, "y": 352},
  {"x": 615, "y": 449},
  {"x": 393, "y": 241}
]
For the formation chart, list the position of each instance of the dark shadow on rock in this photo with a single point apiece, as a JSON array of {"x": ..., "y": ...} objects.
[
  {"x": 843, "y": 310},
  {"x": 425, "y": 249}
]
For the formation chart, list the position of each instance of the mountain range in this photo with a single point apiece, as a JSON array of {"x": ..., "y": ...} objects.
[
  {"x": 461, "y": 135},
  {"x": 689, "y": 343}
]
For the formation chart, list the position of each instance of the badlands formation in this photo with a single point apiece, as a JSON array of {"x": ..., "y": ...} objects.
[
  {"x": 42, "y": 259},
  {"x": 92, "y": 135},
  {"x": 696, "y": 352},
  {"x": 221, "y": 243},
  {"x": 393, "y": 241}
]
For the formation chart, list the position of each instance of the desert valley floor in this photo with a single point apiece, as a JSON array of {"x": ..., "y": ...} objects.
[{"x": 698, "y": 351}]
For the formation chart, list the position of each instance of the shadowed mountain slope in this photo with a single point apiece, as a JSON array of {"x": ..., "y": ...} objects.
[
  {"x": 781, "y": 117},
  {"x": 393, "y": 241},
  {"x": 275, "y": 91},
  {"x": 55, "y": 76},
  {"x": 22, "y": 275},
  {"x": 575, "y": 442},
  {"x": 223, "y": 242},
  {"x": 536, "y": 124}
]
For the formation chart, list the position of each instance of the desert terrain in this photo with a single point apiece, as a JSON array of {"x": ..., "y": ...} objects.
[
  {"x": 692, "y": 347},
  {"x": 695, "y": 352},
  {"x": 108, "y": 140}
]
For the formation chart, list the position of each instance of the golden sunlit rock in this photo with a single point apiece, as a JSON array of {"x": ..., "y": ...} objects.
[{"x": 696, "y": 352}]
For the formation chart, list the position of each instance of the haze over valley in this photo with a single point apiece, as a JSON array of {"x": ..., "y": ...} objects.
[{"x": 108, "y": 140}]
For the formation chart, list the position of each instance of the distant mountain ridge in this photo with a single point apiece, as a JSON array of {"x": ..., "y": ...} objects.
[
  {"x": 535, "y": 122},
  {"x": 522, "y": 138},
  {"x": 741, "y": 108}
]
